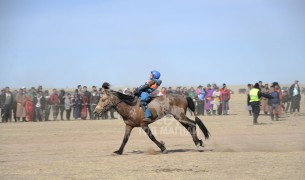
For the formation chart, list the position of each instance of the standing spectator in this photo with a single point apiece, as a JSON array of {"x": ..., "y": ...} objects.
[
  {"x": 216, "y": 101},
  {"x": 127, "y": 91},
  {"x": 169, "y": 90},
  {"x": 68, "y": 105},
  {"x": 29, "y": 108},
  {"x": 61, "y": 97},
  {"x": 209, "y": 99},
  {"x": 39, "y": 90},
  {"x": 248, "y": 107},
  {"x": 192, "y": 94},
  {"x": 21, "y": 98},
  {"x": 80, "y": 88},
  {"x": 200, "y": 103},
  {"x": 260, "y": 83},
  {"x": 77, "y": 104},
  {"x": 54, "y": 101},
  {"x": 254, "y": 100},
  {"x": 47, "y": 105},
  {"x": 39, "y": 104},
  {"x": 14, "y": 107},
  {"x": 162, "y": 92},
  {"x": 225, "y": 97},
  {"x": 88, "y": 94},
  {"x": 274, "y": 103},
  {"x": 32, "y": 95},
  {"x": 295, "y": 94},
  {"x": 264, "y": 101},
  {"x": 279, "y": 90},
  {"x": 84, "y": 111},
  {"x": 1, "y": 105},
  {"x": 95, "y": 98},
  {"x": 7, "y": 103},
  {"x": 286, "y": 101},
  {"x": 184, "y": 92},
  {"x": 178, "y": 90},
  {"x": 112, "y": 111},
  {"x": 80, "y": 91}
]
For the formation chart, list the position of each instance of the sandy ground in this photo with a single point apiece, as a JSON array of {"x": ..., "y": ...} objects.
[{"x": 83, "y": 149}]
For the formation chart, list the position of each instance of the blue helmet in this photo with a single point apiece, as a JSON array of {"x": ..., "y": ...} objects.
[{"x": 156, "y": 74}]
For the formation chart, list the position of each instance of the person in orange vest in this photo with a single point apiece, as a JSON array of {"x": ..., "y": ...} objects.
[
  {"x": 254, "y": 100},
  {"x": 144, "y": 92}
]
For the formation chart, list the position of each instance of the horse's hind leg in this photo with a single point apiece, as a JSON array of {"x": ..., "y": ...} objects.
[
  {"x": 152, "y": 137},
  {"x": 190, "y": 126}
]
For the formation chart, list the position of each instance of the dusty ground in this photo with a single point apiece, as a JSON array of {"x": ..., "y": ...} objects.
[{"x": 83, "y": 149}]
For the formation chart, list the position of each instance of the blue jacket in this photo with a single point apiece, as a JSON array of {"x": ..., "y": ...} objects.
[{"x": 275, "y": 98}]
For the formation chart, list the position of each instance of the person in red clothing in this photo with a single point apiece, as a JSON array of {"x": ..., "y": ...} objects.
[
  {"x": 224, "y": 99},
  {"x": 84, "y": 111},
  {"x": 29, "y": 109},
  {"x": 54, "y": 101}
]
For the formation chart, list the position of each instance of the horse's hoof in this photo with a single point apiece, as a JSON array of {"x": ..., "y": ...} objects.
[
  {"x": 117, "y": 153},
  {"x": 200, "y": 149},
  {"x": 164, "y": 151}
]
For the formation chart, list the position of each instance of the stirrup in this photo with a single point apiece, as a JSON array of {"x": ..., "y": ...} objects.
[{"x": 146, "y": 119}]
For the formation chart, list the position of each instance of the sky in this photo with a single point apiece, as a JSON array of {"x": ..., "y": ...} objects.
[{"x": 57, "y": 43}]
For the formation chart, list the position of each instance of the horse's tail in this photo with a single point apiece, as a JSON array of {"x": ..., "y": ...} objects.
[
  {"x": 190, "y": 104},
  {"x": 202, "y": 127}
]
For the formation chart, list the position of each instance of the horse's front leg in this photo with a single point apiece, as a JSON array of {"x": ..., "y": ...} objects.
[
  {"x": 152, "y": 137},
  {"x": 126, "y": 137}
]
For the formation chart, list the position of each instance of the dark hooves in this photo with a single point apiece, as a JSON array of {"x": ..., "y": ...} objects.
[
  {"x": 200, "y": 148},
  {"x": 164, "y": 151},
  {"x": 117, "y": 153}
]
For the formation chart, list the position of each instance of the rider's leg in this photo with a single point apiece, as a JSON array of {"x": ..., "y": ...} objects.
[{"x": 145, "y": 97}]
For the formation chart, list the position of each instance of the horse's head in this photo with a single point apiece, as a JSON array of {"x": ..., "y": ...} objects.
[{"x": 107, "y": 100}]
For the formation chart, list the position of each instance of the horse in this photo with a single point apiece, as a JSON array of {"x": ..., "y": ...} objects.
[{"x": 129, "y": 107}]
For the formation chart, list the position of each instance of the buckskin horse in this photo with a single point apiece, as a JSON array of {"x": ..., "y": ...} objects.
[{"x": 129, "y": 107}]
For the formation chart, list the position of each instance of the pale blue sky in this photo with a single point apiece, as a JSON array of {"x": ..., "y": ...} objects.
[{"x": 58, "y": 43}]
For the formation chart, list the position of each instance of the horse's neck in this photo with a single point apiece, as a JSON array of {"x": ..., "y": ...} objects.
[{"x": 125, "y": 110}]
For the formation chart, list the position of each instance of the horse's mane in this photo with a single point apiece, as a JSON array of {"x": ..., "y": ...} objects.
[{"x": 128, "y": 99}]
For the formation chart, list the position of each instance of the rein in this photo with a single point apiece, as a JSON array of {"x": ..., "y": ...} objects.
[{"x": 116, "y": 104}]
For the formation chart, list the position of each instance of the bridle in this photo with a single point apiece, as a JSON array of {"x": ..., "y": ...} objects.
[{"x": 109, "y": 106}]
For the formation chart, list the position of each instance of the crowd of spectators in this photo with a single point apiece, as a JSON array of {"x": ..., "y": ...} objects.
[
  {"x": 37, "y": 104},
  {"x": 287, "y": 100}
]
